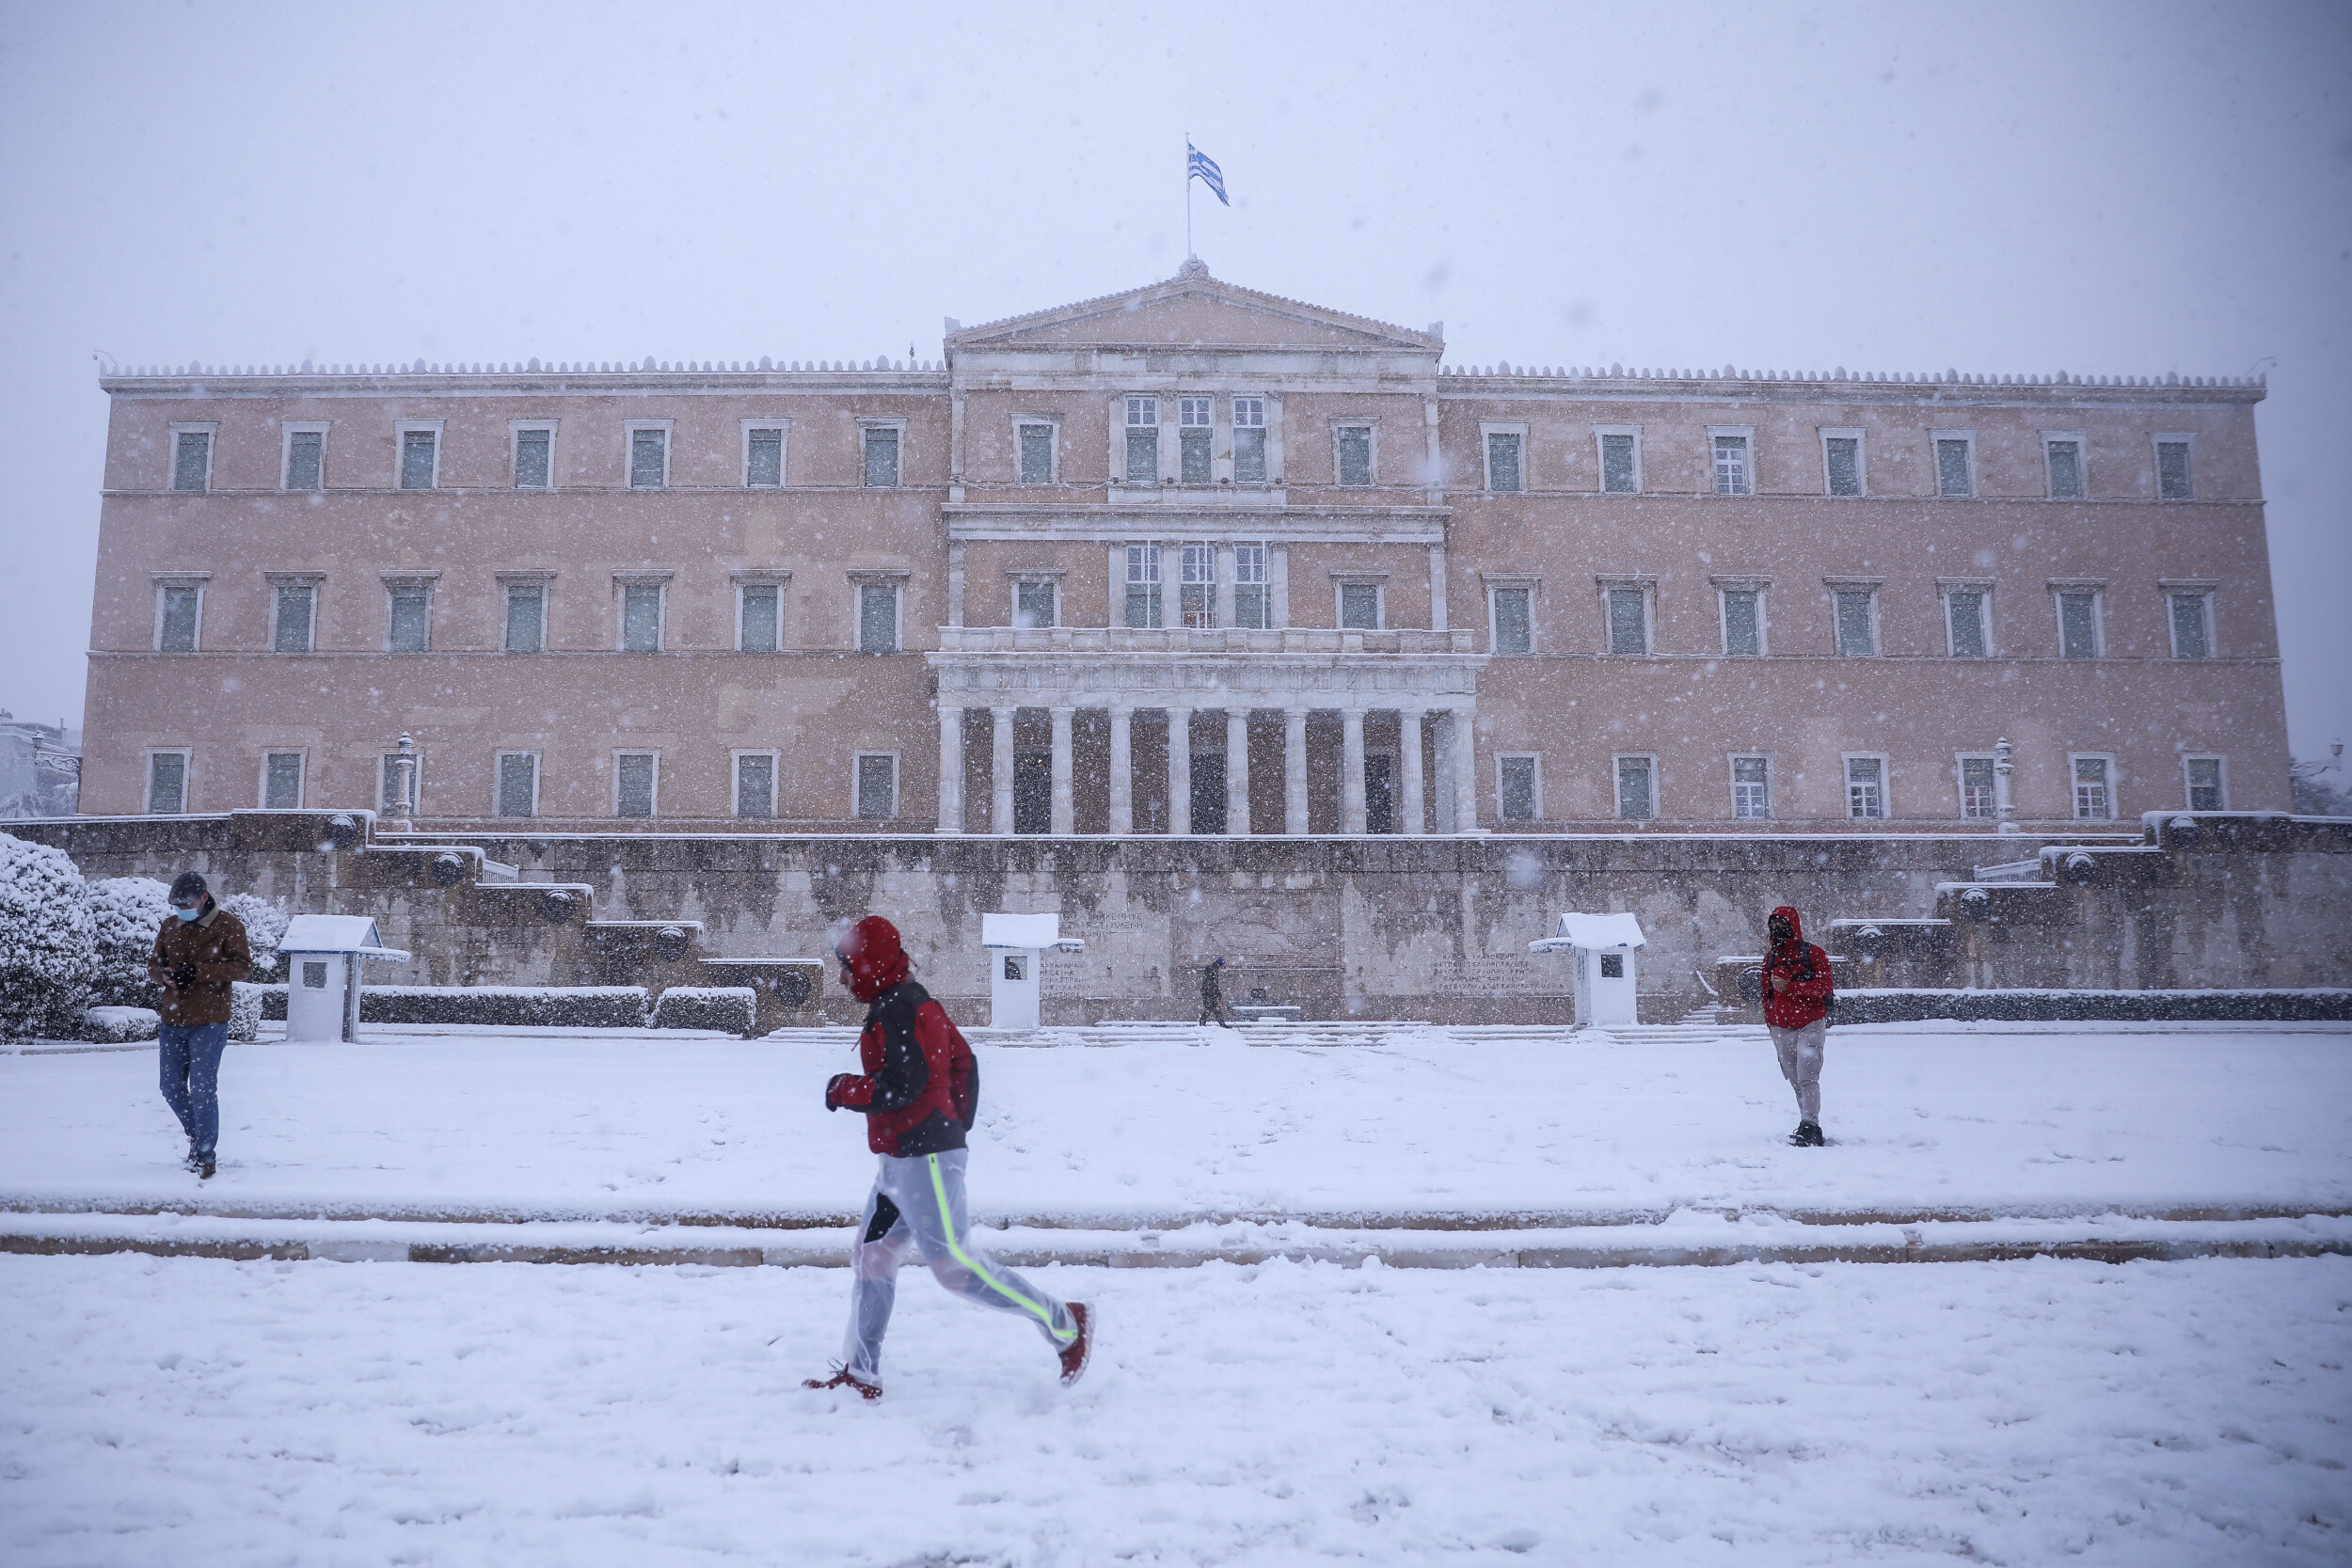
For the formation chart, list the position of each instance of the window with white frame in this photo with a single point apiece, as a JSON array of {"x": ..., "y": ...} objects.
[
  {"x": 1620, "y": 459},
  {"x": 2191, "y": 612},
  {"x": 1506, "y": 454},
  {"x": 1742, "y": 605},
  {"x": 2094, "y": 801},
  {"x": 1036, "y": 451},
  {"x": 1853, "y": 608},
  {"x": 1511, "y": 609},
  {"x": 1359, "y": 605},
  {"x": 1036, "y": 602},
  {"x": 1143, "y": 440},
  {"x": 1979, "y": 798},
  {"x": 192, "y": 457},
  {"x": 640, "y": 614},
  {"x": 526, "y": 626},
  {"x": 408, "y": 616},
  {"x": 1955, "y": 463},
  {"x": 2077, "y": 620},
  {"x": 1625, "y": 606},
  {"x": 881, "y": 445},
  {"x": 420, "y": 456},
  {"x": 2172, "y": 476},
  {"x": 1752, "y": 788},
  {"x": 648, "y": 456},
  {"x": 877, "y": 787},
  {"x": 1143, "y": 585},
  {"x": 1196, "y": 438},
  {"x": 1352, "y": 453},
  {"x": 1253, "y": 589},
  {"x": 1968, "y": 619},
  {"x": 281, "y": 781},
  {"x": 636, "y": 777},
  {"x": 1197, "y": 587},
  {"x": 305, "y": 465},
  {"x": 1518, "y": 786},
  {"x": 1865, "y": 788},
  {"x": 533, "y": 454},
  {"x": 1841, "y": 462},
  {"x": 167, "y": 784},
  {"x": 756, "y": 786},
  {"x": 1637, "y": 788},
  {"x": 2062, "y": 464},
  {"x": 878, "y": 617},
  {"x": 294, "y": 613},
  {"x": 1249, "y": 441},
  {"x": 400, "y": 784},
  {"x": 759, "y": 616},
  {"x": 179, "y": 615},
  {"x": 2206, "y": 789},
  {"x": 1735, "y": 474},
  {"x": 517, "y": 784},
  {"x": 763, "y": 454}
]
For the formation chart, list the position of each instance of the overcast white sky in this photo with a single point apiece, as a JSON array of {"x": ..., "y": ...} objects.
[{"x": 2102, "y": 189}]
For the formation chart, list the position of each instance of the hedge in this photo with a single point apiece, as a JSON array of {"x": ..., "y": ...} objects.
[
  {"x": 732, "y": 1008},
  {"x": 1892, "y": 1005},
  {"x": 545, "y": 1007}
]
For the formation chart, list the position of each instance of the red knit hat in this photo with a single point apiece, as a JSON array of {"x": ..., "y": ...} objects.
[{"x": 876, "y": 959}]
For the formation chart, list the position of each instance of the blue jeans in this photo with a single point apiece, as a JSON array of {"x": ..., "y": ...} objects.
[{"x": 190, "y": 1056}]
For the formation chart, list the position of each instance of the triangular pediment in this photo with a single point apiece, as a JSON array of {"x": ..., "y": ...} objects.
[{"x": 1194, "y": 311}]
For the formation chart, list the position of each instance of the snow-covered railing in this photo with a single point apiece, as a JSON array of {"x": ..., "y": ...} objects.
[
  {"x": 1892, "y": 379},
  {"x": 1125, "y": 640},
  {"x": 764, "y": 365}
]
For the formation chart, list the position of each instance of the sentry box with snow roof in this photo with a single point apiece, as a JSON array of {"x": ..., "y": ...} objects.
[
  {"x": 1015, "y": 944},
  {"x": 1603, "y": 946},
  {"x": 324, "y": 955}
]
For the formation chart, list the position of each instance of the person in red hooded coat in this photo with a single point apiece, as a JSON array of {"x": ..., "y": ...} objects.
[
  {"x": 920, "y": 1092},
  {"x": 1797, "y": 991}
]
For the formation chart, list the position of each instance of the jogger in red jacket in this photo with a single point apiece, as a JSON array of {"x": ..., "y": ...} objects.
[
  {"x": 920, "y": 1091},
  {"x": 1797, "y": 991}
]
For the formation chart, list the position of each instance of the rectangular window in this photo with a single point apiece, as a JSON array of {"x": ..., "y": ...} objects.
[
  {"x": 1743, "y": 623},
  {"x": 1732, "y": 475},
  {"x": 640, "y": 618},
  {"x": 2091, "y": 803},
  {"x": 1865, "y": 788},
  {"x": 1502, "y": 462},
  {"x": 1194, "y": 437},
  {"x": 1979, "y": 802},
  {"x": 306, "y": 459},
  {"x": 759, "y": 623},
  {"x": 2192, "y": 625},
  {"x": 756, "y": 786},
  {"x": 1964, "y": 621},
  {"x": 763, "y": 458},
  {"x": 419, "y": 459},
  {"x": 1033, "y": 604},
  {"x": 1857, "y": 630},
  {"x": 534, "y": 459},
  {"x": 1143, "y": 440},
  {"x": 192, "y": 460},
  {"x": 1253, "y": 595},
  {"x": 1629, "y": 621},
  {"x": 1355, "y": 453},
  {"x": 881, "y": 457},
  {"x": 2064, "y": 459},
  {"x": 1751, "y": 789},
  {"x": 633, "y": 777},
  {"x": 2172, "y": 472},
  {"x": 398, "y": 779},
  {"x": 1359, "y": 605},
  {"x": 1198, "y": 570},
  {"x": 2205, "y": 791},
  {"x": 1843, "y": 454},
  {"x": 1143, "y": 585},
  {"x": 878, "y": 618},
  {"x": 1618, "y": 474},
  {"x": 291, "y": 632},
  {"x": 519, "y": 784},
  {"x": 1637, "y": 792},
  {"x": 412, "y": 618},
  {"x": 1250, "y": 440},
  {"x": 2078, "y": 624},
  {"x": 1955, "y": 474},
  {"x": 648, "y": 459},
  {"x": 281, "y": 781},
  {"x": 1515, "y": 788},
  {"x": 526, "y": 617},
  {"x": 167, "y": 784},
  {"x": 1514, "y": 627},
  {"x": 877, "y": 787},
  {"x": 176, "y": 628},
  {"x": 1037, "y": 455}
]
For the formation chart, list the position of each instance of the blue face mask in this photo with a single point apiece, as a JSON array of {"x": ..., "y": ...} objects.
[{"x": 188, "y": 914}]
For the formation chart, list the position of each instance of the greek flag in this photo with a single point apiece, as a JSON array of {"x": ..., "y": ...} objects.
[{"x": 1199, "y": 166}]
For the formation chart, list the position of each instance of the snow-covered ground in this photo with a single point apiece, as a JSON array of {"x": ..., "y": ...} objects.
[
  {"x": 1952, "y": 1119},
  {"x": 326, "y": 1413}
]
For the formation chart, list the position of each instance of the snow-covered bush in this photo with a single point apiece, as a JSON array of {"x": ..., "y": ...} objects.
[
  {"x": 245, "y": 1006},
  {"x": 541, "y": 1007},
  {"x": 121, "y": 1026},
  {"x": 733, "y": 1008},
  {"x": 45, "y": 961},
  {"x": 264, "y": 928},
  {"x": 125, "y": 914}
]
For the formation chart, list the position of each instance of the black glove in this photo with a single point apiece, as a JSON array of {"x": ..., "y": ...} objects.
[
  {"x": 183, "y": 976},
  {"x": 833, "y": 1087}
]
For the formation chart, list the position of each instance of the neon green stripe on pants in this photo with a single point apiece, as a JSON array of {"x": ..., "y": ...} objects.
[{"x": 947, "y": 1223}]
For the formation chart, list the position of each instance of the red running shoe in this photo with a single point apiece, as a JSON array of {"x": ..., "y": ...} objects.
[
  {"x": 846, "y": 1379},
  {"x": 1081, "y": 1349}
]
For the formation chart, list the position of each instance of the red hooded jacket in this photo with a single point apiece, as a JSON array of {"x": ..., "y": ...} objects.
[
  {"x": 1807, "y": 995},
  {"x": 921, "y": 1087}
]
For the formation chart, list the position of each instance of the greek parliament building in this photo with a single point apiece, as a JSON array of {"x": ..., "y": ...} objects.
[{"x": 1191, "y": 559}]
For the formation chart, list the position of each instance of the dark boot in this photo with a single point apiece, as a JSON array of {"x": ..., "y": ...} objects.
[{"x": 1807, "y": 1136}]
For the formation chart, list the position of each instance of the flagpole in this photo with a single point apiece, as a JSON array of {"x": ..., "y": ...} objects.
[{"x": 1187, "y": 196}]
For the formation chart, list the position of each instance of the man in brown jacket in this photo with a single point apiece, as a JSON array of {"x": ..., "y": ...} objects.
[{"x": 200, "y": 953}]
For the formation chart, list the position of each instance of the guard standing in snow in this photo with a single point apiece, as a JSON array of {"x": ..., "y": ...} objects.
[
  {"x": 920, "y": 1092},
  {"x": 1213, "y": 992},
  {"x": 1797, "y": 988},
  {"x": 200, "y": 953}
]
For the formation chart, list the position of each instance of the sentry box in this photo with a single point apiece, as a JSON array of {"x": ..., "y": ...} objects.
[
  {"x": 1603, "y": 946},
  {"x": 1014, "y": 944},
  {"x": 324, "y": 955}
]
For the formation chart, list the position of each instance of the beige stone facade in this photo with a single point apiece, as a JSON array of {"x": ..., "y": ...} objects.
[{"x": 1373, "y": 592}]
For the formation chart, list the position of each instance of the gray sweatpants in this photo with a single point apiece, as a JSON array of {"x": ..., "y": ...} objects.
[
  {"x": 918, "y": 1202},
  {"x": 1800, "y": 1052}
]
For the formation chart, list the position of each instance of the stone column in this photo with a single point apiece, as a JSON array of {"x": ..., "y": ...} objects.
[
  {"x": 1294, "y": 769},
  {"x": 1000, "y": 815},
  {"x": 1065, "y": 818},
  {"x": 1409, "y": 759},
  {"x": 1180, "y": 770},
  {"x": 950, "y": 769},
  {"x": 1122, "y": 771},
  {"x": 1237, "y": 771},
  {"x": 1351, "y": 770},
  {"x": 1465, "y": 770}
]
